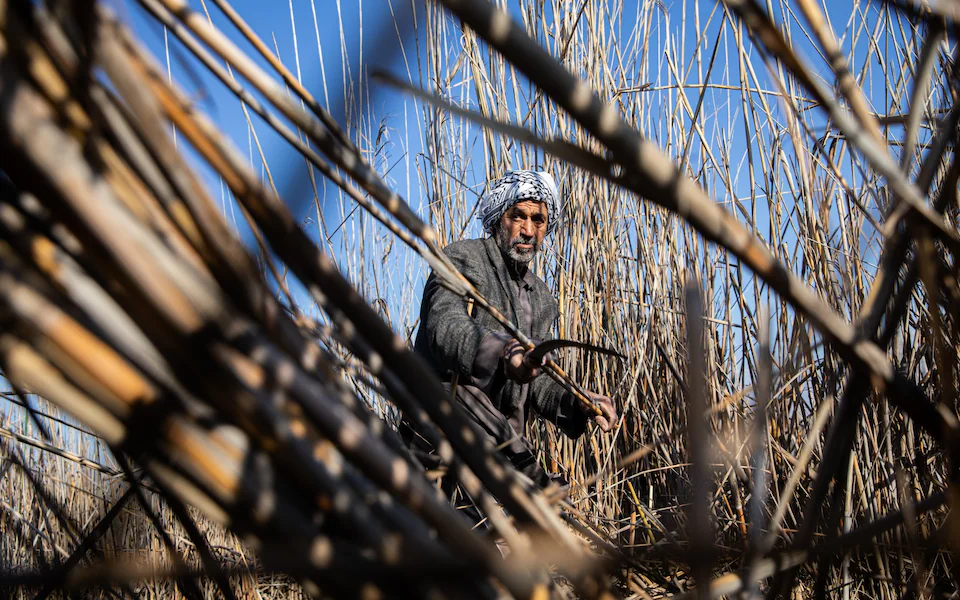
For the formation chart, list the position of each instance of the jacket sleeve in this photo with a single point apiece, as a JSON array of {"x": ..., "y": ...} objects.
[
  {"x": 553, "y": 403},
  {"x": 453, "y": 336}
]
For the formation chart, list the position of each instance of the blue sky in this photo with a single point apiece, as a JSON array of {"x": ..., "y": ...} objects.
[{"x": 272, "y": 22}]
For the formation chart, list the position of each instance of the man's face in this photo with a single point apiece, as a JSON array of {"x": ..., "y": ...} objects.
[{"x": 521, "y": 230}]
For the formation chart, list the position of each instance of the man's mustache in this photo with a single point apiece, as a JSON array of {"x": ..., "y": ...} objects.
[{"x": 523, "y": 239}]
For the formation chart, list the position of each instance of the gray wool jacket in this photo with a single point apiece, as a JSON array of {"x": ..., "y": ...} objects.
[{"x": 450, "y": 339}]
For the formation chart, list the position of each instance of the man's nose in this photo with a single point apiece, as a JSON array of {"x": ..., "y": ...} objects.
[{"x": 526, "y": 227}]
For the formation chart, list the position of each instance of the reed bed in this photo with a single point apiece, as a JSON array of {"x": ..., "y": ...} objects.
[{"x": 761, "y": 214}]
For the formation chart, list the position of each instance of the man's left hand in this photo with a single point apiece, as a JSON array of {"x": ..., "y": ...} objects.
[{"x": 608, "y": 419}]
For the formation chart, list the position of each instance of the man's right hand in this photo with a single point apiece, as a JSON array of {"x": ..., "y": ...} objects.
[{"x": 516, "y": 368}]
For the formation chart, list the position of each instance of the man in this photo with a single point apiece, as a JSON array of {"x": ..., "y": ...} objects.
[{"x": 496, "y": 386}]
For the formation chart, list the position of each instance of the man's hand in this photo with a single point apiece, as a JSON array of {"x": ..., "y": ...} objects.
[
  {"x": 608, "y": 419},
  {"x": 515, "y": 365}
]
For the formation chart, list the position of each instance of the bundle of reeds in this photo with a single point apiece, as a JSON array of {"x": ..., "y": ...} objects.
[{"x": 129, "y": 302}]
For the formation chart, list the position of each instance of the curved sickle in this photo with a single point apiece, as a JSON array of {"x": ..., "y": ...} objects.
[{"x": 540, "y": 351}]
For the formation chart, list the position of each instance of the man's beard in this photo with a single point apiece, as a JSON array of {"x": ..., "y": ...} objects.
[{"x": 510, "y": 249}]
